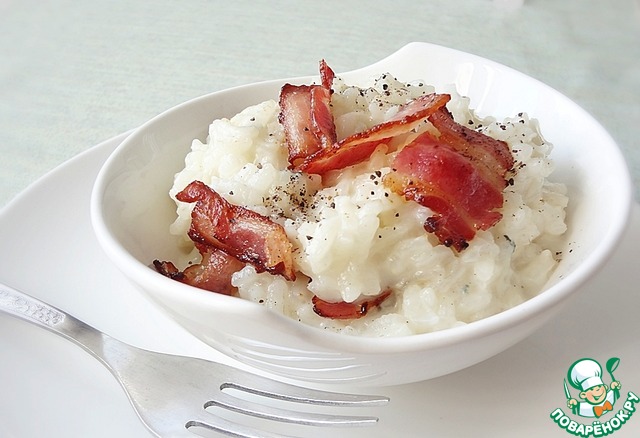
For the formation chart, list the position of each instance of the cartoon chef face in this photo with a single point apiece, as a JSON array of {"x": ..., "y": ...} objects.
[{"x": 595, "y": 395}]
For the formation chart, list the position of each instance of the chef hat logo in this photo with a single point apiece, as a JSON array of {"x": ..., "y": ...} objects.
[{"x": 585, "y": 374}]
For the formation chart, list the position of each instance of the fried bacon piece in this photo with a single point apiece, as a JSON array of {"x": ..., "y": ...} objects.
[
  {"x": 492, "y": 157},
  {"x": 310, "y": 132},
  {"x": 238, "y": 231},
  {"x": 326, "y": 75},
  {"x": 358, "y": 147},
  {"x": 228, "y": 236},
  {"x": 213, "y": 273},
  {"x": 305, "y": 114},
  {"x": 344, "y": 310},
  {"x": 455, "y": 187}
]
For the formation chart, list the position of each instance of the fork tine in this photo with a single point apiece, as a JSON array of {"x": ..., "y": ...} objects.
[
  {"x": 288, "y": 416},
  {"x": 258, "y": 385},
  {"x": 230, "y": 428}
]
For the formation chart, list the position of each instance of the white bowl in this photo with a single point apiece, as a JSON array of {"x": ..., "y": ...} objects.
[{"x": 131, "y": 213}]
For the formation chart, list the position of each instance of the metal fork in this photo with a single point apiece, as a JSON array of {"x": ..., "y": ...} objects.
[{"x": 170, "y": 393}]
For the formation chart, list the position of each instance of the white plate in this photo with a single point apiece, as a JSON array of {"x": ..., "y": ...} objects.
[{"x": 49, "y": 387}]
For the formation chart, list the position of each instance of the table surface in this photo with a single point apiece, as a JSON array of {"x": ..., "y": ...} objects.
[{"x": 75, "y": 73}]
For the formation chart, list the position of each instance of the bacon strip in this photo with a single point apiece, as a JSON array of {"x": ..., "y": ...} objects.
[
  {"x": 310, "y": 132},
  {"x": 213, "y": 273},
  {"x": 295, "y": 117},
  {"x": 493, "y": 157},
  {"x": 326, "y": 75},
  {"x": 238, "y": 231},
  {"x": 322, "y": 124},
  {"x": 429, "y": 172},
  {"x": 305, "y": 114},
  {"x": 358, "y": 147},
  {"x": 344, "y": 310}
]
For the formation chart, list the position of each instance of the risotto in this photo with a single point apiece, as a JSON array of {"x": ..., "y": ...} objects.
[{"x": 352, "y": 237}]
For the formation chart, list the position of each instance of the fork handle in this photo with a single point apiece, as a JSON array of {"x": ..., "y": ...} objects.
[{"x": 41, "y": 314}]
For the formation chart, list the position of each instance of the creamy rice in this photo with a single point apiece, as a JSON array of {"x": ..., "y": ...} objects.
[{"x": 353, "y": 237}]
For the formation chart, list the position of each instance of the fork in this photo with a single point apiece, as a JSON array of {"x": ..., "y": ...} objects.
[{"x": 171, "y": 393}]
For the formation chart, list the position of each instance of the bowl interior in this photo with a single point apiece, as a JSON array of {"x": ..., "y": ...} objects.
[{"x": 132, "y": 210}]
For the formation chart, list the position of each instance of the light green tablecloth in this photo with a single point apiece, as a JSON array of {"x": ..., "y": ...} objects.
[{"x": 74, "y": 73}]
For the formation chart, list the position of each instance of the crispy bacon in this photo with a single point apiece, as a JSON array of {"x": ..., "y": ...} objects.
[
  {"x": 213, "y": 273},
  {"x": 322, "y": 124},
  {"x": 238, "y": 231},
  {"x": 310, "y": 132},
  {"x": 429, "y": 172},
  {"x": 358, "y": 147},
  {"x": 344, "y": 310},
  {"x": 492, "y": 157},
  {"x": 305, "y": 114},
  {"x": 295, "y": 118},
  {"x": 326, "y": 75}
]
